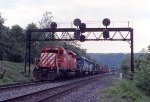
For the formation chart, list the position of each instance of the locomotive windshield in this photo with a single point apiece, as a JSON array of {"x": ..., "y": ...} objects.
[{"x": 52, "y": 51}]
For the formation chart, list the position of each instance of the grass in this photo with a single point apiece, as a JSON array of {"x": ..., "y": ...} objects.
[
  {"x": 14, "y": 73},
  {"x": 123, "y": 91}
]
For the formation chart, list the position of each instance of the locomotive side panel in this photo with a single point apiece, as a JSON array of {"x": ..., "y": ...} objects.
[{"x": 71, "y": 60}]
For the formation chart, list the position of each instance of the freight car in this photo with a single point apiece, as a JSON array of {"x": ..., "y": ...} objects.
[{"x": 56, "y": 62}]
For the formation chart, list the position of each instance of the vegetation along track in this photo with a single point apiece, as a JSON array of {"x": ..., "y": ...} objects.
[{"x": 54, "y": 91}]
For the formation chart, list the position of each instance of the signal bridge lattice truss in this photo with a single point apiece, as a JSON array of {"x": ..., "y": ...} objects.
[
  {"x": 67, "y": 34},
  {"x": 78, "y": 34}
]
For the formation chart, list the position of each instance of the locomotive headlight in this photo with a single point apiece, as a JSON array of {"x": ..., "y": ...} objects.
[
  {"x": 106, "y": 22},
  {"x": 53, "y": 25}
]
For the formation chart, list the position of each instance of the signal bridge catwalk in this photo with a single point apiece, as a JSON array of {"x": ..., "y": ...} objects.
[{"x": 80, "y": 33}]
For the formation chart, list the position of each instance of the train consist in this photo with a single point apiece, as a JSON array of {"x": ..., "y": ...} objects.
[{"x": 56, "y": 62}]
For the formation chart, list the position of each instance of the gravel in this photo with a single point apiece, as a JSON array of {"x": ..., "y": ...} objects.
[
  {"x": 26, "y": 90},
  {"x": 23, "y": 91},
  {"x": 90, "y": 92}
]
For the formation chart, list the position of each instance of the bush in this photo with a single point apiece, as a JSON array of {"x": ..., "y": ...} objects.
[
  {"x": 123, "y": 91},
  {"x": 142, "y": 78},
  {"x": 14, "y": 73},
  {"x": 6, "y": 80}
]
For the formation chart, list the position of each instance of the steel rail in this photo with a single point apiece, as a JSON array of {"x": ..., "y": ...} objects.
[{"x": 46, "y": 94}]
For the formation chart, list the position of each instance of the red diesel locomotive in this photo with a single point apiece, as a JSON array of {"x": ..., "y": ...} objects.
[{"x": 54, "y": 62}]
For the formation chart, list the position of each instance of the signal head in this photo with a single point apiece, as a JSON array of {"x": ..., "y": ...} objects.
[
  {"x": 82, "y": 38},
  {"x": 105, "y": 33},
  {"x": 82, "y": 27},
  {"x": 77, "y": 22},
  {"x": 77, "y": 34},
  {"x": 53, "y": 25},
  {"x": 106, "y": 22}
]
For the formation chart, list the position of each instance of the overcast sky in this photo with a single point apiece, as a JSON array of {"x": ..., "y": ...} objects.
[{"x": 137, "y": 12}]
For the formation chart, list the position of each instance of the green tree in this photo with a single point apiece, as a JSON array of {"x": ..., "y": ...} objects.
[
  {"x": 142, "y": 78},
  {"x": 142, "y": 75},
  {"x": 1, "y": 23},
  {"x": 2, "y": 27},
  {"x": 17, "y": 34},
  {"x": 126, "y": 67},
  {"x": 2, "y": 20},
  {"x": 46, "y": 20},
  {"x": 16, "y": 44},
  {"x": 3, "y": 39},
  {"x": 35, "y": 50},
  {"x": 34, "y": 35}
]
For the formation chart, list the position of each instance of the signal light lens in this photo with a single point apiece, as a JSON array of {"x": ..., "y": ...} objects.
[
  {"x": 106, "y": 22},
  {"x": 53, "y": 25},
  {"x": 77, "y": 22},
  {"x": 82, "y": 27}
]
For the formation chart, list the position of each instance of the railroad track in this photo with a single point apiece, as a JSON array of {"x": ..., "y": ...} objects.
[
  {"x": 19, "y": 85},
  {"x": 56, "y": 90},
  {"x": 24, "y": 84}
]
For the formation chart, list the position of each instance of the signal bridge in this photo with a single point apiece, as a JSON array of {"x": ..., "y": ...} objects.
[{"x": 80, "y": 33}]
